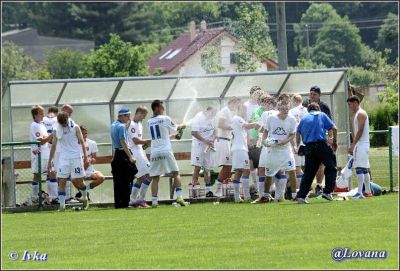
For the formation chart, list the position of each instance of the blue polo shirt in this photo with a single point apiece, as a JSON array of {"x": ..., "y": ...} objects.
[
  {"x": 118, "y": 132},
  {"x": 313, "y": 126}
]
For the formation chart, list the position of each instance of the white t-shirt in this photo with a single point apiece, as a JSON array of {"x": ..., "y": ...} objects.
[
  {"x": 91, "y": 147},
  {"x": 38, "y": 130},
  {"x": 263, "y": 119},
  {"x": 205, "y": 126},
  {"x": 135, "y": 130},
  {"x": 50, "y": 123},
  {"x": 227, "y": 115},
  {"x": 160, "y": 128},
  {"x": 69, "y": 146},
  {"x": 365, "y": 135},
  {"x": 239, "y": 140},
  {"x": 298, "y": 113},
  {"x": 250, "y": 107},
  {"x": 280, "y": 129}
]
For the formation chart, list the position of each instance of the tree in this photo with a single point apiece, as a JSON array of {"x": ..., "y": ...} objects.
[
  {"x": 64, "y": 63},
  {"x": 115, "y": 59},
  {"x": 388, "y": 36},
  {"x": 211, "y": 59},
  {"x": 253, "y": 33},
  {"x": 17, "y": 66},
  {"x": 313, "y": 19},
  {"x": 338, "y": 44},
  {"x": 304, "y": 64}
]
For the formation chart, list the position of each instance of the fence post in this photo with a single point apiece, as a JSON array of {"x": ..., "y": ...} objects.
[
  {"x": 390, "y": 159},
  {"x": 40, "y": 177}
]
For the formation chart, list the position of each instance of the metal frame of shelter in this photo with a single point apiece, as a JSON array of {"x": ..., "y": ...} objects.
[
  {"x": 174, "y": 88},
  {"x": 176, "y": 91}
]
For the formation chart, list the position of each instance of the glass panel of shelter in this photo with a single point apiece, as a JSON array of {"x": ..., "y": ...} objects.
[
  {"x": 31, "y": 94},
  {"x": 88, "y": 92}
]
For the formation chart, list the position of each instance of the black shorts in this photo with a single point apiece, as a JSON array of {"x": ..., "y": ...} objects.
[{"x": 254, "y": 155}]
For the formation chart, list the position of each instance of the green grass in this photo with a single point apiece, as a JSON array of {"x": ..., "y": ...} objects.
[{"x": 230, "y": 236}]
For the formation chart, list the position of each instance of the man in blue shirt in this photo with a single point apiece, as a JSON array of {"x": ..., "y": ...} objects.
[
  {"x": 312, "y": 129},
  {"x": 123, "y": 166}
]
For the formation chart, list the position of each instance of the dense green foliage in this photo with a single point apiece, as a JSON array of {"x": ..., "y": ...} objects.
[{"x": 64, "y": 63}]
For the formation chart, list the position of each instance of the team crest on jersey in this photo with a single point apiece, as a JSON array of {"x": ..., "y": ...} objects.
[
  {"x": 133, "y": 130},
  {"x": 37, "y": 134},
  {"x": 227, "y": 158},
  {"x": 279, "y": 131},
  {"x": 246, "y": 161},
  {"x": 197, "y": 158}
]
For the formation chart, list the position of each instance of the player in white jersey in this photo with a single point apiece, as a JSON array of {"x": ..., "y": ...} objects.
[
  {"x": 96, "y": 177},
  {"x": 223, "y": 143},
  {"x": 298, "y": 111},
  {"x": 50, "y": 122},
  {"x": 277, "y": 155},
  {"x": 252, "y": 105},
  {"x": 240, "y": 154},
  {"x": 360, "y": 147},
  {"x": 203, "y": 151},
  {"x": 268, "y": 105},
  {"x": 143, "y": 180},
  {"x": 38, "y": 132},
  {"x": 162, "y": 158},
  {"x": 69, "y": 137}
]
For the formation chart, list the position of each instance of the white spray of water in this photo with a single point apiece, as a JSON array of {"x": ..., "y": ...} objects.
[{"x": 189, "y": 87}]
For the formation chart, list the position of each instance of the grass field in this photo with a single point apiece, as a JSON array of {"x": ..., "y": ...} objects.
[{"x": 230, "y": 236}]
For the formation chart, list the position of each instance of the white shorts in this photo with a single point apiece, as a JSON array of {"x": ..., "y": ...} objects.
[
  {"x": 279, "y": 159},
  {"x": 360, "y": 155},
  {"x": 299, "y": 160},
  {"x": 142, "y": 164},
  {"x": 162, "y": 163},
  {"x": 201, "y": 159},
  {"x": 34, "y": 164},
  {"x": 223, "y": 153},
  {"x": 89, "y": 172},
  {"x": 70, "y": 168},
  {"x": 240, "y": 160}
]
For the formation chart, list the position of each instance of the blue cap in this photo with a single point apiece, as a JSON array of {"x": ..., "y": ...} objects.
[{"x": 123, "y": 111}]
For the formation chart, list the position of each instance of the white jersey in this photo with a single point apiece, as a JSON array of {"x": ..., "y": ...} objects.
[
  {"x": 365, "y": 135},
  {"x": 91, "y": 147},
  {"x": 135, "y": 130},
  {"x": 227, "y": 115},
  {"x": 263, "y": 119},
  {"x": 250, "y": 107},
  {"x": 70, "y": 123},
  {"x": 280, "y": 129},
  {"x": 38, "y": 130},
  {"x": 69, "y": 146},
  {"x": 160, "y": 128},
  {"x": 239, "y": 140},
  {"x": 205, "y": 126},
  {"x": 298, "y": 112},
  {"x": 50, "y": 123}
]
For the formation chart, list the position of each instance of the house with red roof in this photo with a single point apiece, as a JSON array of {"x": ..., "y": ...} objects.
[{"x": 184, "y": 54}]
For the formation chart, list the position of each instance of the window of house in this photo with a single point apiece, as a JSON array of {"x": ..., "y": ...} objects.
[
  {"x": 234, "y": 58},
  {"x": 165, "y": 54}
]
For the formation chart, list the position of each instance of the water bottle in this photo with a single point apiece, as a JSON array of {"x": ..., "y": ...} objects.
[
  {"x": 190, "y": 190},
  {"x": 197, "y": 191},
  {"x": 224, "y": 189},
  {"x": 180, "y": 132}
]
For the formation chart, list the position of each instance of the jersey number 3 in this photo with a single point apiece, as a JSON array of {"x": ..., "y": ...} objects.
[{"x": 155, "y": 132}]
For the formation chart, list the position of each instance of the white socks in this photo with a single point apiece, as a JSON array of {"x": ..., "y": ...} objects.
[
  {"x": 236, "y": 186},
  {"x": 253, "y": 175},
  {"x": 246, "y": 186},
  {"x": 52, "y": 188},
  {"x": 367, "y": 182},
  {"x": 218, "y": 191},
  {"x": 360, "y": 178},
  {"x": 261, "y": 181},
  {"x": 178, "y": 191},
  {"x": 35, "y": 189},
  {"x": 143, "y": 189},
  {"x": 135, "y": 191},
  {"x": 298, "y": 180}
]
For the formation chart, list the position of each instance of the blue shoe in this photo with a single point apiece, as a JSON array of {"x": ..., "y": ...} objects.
[{"x": 358, "y": 196}]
